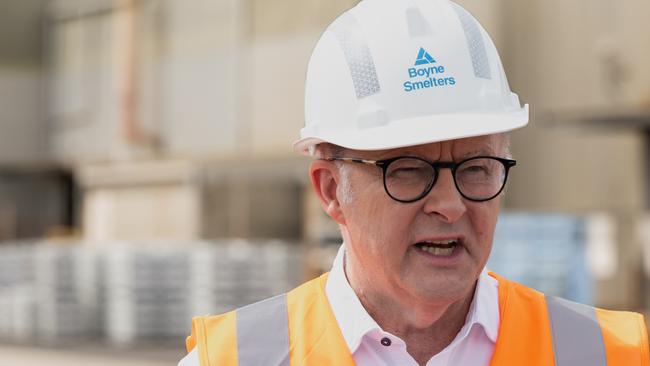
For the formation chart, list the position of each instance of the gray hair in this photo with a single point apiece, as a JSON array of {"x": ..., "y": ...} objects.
[{"x": 327, "y": 150}]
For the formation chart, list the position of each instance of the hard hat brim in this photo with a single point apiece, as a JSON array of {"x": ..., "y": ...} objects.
[{"x": 432, "y": 129}]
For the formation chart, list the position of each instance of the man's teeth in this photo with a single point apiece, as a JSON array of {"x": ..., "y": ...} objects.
[
  {"x": 441, "y": 242},
  {"x": 439, "y": 251}
]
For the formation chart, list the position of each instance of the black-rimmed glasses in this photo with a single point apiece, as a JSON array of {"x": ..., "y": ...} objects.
[{"x": 408, "y": 179}]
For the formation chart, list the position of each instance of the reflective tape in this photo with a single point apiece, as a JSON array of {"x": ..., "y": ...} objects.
[
  {"x": 577, "y": 337},
  {"x": 475, "y": 43},
  {"x": 263, "y": 333},
  {"x": 357, "y": 55}
]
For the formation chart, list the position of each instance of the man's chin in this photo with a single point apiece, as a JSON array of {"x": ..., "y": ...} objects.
[{"x": 448, "y": 290}]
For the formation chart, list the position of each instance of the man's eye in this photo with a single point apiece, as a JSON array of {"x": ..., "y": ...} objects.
[
  {"x": 407, "y": 172},
  {"x": 476, "y": 169},
  {"x": 409, "y": 169}
]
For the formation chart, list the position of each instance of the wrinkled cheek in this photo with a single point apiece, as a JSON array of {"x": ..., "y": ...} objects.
[
  {"x": 484, "y": 221},
  {"x": 485, "y": 229},
  {"x": 376, "y": 218}
]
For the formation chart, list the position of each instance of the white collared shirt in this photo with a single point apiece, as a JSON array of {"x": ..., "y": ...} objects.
[{"x": 473, "y": 346}]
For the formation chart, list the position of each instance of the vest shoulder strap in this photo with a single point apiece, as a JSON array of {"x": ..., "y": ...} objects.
[
  {"x": 315, "y": 336},
  {"x": 263, "y": 333},
  {"x": 625, "y": 336},
  {"x": 299, "y": 328},
  {"x": 524, "y": 336},
  {"x": 214, "y": 339},
  {"x": 541, "y": 330},
  {"x": 296, "y": 328},
  {"x": 256, "y": 334},
  {"x": 577, "y": 338}
]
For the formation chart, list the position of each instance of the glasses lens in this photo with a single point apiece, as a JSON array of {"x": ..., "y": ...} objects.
[
  {"x": 480, "y": 178},
  {"x": 407, "y": 178}
]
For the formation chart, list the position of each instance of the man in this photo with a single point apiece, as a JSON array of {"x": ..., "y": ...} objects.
[{"x": 407, "y": 113}]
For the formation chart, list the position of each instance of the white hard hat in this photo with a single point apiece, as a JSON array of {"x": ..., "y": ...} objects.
[{"x": 394, "y": 73}]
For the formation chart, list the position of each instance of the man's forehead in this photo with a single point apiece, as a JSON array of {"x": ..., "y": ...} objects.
[{"x": 470, "y": 146}]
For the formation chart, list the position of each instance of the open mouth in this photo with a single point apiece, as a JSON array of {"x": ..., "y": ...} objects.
[{"x": 439, "y": 248}]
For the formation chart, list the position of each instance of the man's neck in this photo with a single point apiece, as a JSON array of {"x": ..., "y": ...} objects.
[{"x": 425, "y": 328}]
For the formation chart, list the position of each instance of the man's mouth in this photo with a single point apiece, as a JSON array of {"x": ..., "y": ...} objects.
[{"x": 440, "y": 248}]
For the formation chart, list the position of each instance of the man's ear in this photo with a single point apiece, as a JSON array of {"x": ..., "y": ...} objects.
[{"x": 325, "y": 179}]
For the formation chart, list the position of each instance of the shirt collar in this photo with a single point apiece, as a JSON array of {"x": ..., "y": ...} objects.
[
  {"x": 355, "y": 322},
  {"x": 353, "y": 319}
]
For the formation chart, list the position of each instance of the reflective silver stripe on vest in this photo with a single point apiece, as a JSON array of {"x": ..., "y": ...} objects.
[
  {"x": 263, "y": 334},
  {"x": 577, "y": 338}
]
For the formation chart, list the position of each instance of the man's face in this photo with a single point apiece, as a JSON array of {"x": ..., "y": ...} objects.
[{"x": 385, "y": 238}]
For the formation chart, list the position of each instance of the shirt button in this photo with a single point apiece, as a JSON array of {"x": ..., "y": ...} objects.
[{"x": 386, "y": 341}]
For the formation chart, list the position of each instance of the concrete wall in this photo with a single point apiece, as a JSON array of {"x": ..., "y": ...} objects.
[
  {"x": 213, "y": 78},
  {"x": 82, "y": 88},
  {"x": 198, "y": 63},
  {"x": 147, "y": 201},
  {"x": 570, "y": 60},
  {"x": 35, "y": 198},
  {"x": 23, "y": 137},
  {"x": 567, "y": 59}
]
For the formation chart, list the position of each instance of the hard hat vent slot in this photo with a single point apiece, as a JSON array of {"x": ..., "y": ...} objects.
[
  {"x": 371, "y": 114},
  {"x": 418, "y": 26},
  {"x": 357, "y": 55},
  {"x": 475, "y": 43}
]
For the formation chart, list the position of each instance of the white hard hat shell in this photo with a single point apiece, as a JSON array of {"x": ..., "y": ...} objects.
[{"x": 389, "y": 74}]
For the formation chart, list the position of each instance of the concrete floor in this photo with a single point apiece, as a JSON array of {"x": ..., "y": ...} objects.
[{"x": 84, "y": 355}]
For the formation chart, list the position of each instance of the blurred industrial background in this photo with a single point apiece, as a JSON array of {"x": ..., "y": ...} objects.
[{"x": 146, "y": 169}]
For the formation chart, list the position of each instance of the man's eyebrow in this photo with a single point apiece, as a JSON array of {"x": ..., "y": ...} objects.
[
  {"x": 391, "y": 154},
  {"x": 481, "y": 152}
]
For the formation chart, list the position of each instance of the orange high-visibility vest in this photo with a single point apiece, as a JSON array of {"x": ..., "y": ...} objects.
[{"x": 299, "y": 329}]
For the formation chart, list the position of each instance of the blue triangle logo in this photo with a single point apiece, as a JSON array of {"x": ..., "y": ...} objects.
[{"x": 424, "y": 58}]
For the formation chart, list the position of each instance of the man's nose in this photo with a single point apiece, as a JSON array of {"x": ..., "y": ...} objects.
[{"x": 444, "y": 200}]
